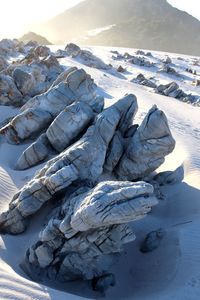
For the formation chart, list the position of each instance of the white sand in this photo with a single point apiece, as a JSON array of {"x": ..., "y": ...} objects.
[{"x": 171, "y": 271}]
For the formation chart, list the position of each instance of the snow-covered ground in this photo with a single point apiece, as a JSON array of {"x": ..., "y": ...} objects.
[{"x": 172, "y": 272}]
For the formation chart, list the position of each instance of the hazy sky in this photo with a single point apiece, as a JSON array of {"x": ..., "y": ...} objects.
[{"x": 16, "y": 16}]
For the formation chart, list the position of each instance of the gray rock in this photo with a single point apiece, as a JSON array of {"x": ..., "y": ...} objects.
[
  {"x": 9, "y": 93},
  {"x": 167, "y": 60},
  {"x": 120, "y": 69},
  {"x": 35, "y": 153},
  {"x": 69, "y": 124},
  {"x": 141, "y": 61},
  {"x": 24, "y": 81},
  {"x": 62, "y": 132},
  {"x": 84, "y": 238},
  {"x": 147, "y": 148},
  {"x": 40, "y": 111},
  {"x": 170, "y": 177},
  {"x": 152, "y": 241},
  {"x": 86, "y": 57},
  {"x": 72, "y": 49},
  {"x": 140, "y": 79},
  {"x": 172, "y": 87},
  {"x": 115, "y": 152},
  {"x": 42, "y": 51},
  {"x": 167, "y": 69},
  {"x": 3, "y": 63}
]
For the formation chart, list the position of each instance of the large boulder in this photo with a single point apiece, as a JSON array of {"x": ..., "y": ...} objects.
[
  {"x": 63, "y": 131},
  {"x": 147, "y": 148},
  {"x": 83, "y": 160},
  {"x": 24, "y": 81},
  {"x": 85, "y": 236}
]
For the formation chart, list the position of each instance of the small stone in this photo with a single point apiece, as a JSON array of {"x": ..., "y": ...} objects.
[{"x": 152, "y": 241}]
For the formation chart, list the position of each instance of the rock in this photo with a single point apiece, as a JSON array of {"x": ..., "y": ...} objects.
[
  {"x": 141, "y": 61},
  {"x": 167, "y": 69},
  {"x": 38, "y": 113},
  {"x": 102, "y": 283},
  {"x": 126, "y": 56},
  {"x": 42, "y": 51},
  {"x": 9, "y": 93},
  {"x": 172, "y": 87},
  {"x": 84, "y": 238},
  {"x": 24, "y": 81},
  {"x": 149, "y": 54},
  {"x": 51, "y": 62},
  {"x": 3, "y": 63},
  {"x": 86, "y": 57},
  {"x": 140, "y": 79},
  {"x": 140, "y": 52},
  {"x": 167, "y": 60},
  {"x": 69, "y": 124},
  {"x": 167, "y": 89},
  {"x": 63, "y": 131},
  {"x": 72, "y": 49},
  {"x": 147, "y": 148},
  {"x": 7, "y": 48},
  {"x": 170, "y": 177},
  {"x": 63, "y": 76},
  {"x": 115, "y": 152},
  {"x": 83, "y": 160},
  {"x": 120, "y": 69},
  {"x": 35, "y": 153},
  {"x": 148, "y": 83},
  {"x": 32, "y": 44},
  {"x": 33, "y": 75},
  {"x": 152, "y": 241}
]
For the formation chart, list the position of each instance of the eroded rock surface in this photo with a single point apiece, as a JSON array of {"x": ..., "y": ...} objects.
[
  {"x": 64, "y": 130},
  {"x": 83, "y": 160},
  {"x": 147, "y": 148},
  {"x": 38, "y": 113},
  {"x": 85, "y": 236}
]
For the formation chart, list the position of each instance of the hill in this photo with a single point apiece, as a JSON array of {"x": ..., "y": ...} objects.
[{"x": 152, "y": 24}]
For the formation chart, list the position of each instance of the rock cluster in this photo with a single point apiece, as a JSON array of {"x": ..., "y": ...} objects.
[
  {"x": 87, "y": 231},
  {"x": 82, "y": 142},
  {"x": 171, "y": 89},
  {"x": 39, "y": 112},
  {"x": 141, "y": 61},
  {"x": 27, "y": 77},
  {"x": 168, "y": 69},
  {"x": 142, "y": 80},
  {"x": 85, "y": 57}
]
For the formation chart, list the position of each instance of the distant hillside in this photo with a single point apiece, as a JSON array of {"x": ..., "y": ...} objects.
[
  {"x": 31, "y": 36},
  {"x": 148, "y": 24}
]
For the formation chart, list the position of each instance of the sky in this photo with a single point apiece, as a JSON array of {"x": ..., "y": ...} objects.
[{"x": 17, "y": 16}]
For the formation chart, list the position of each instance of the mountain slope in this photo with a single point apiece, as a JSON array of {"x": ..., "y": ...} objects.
[
  {"x": 31, "y": 36},
  {"x": 152, "y": 24}
]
